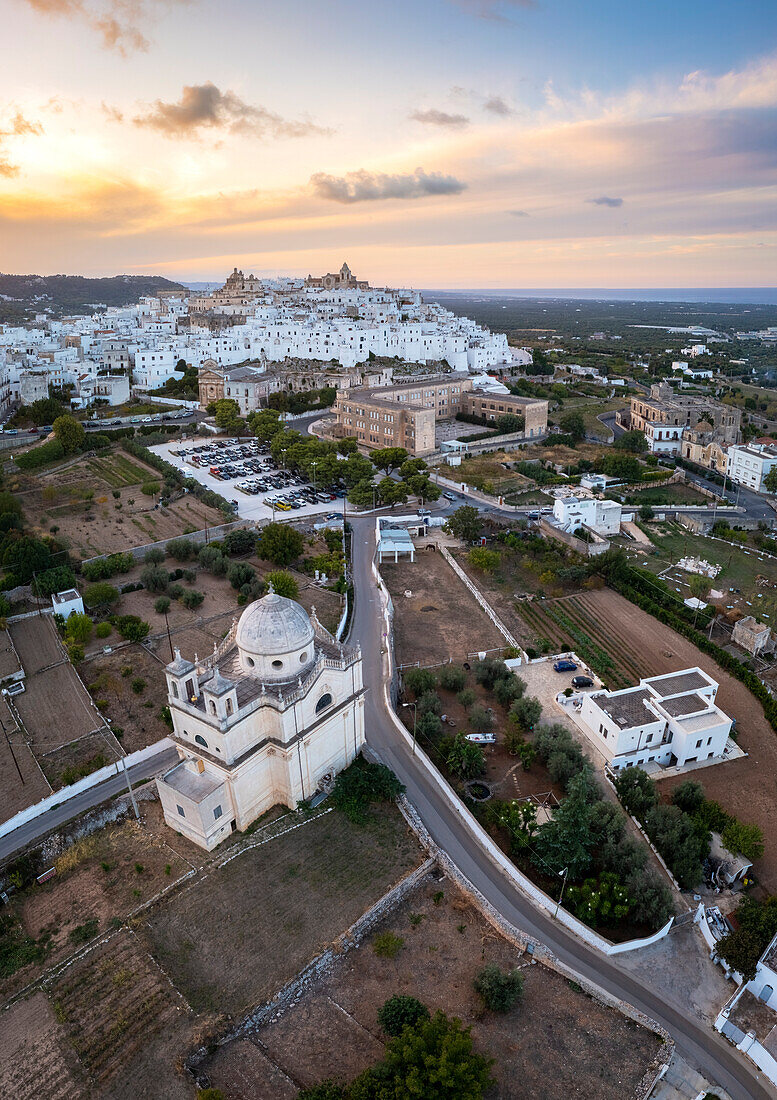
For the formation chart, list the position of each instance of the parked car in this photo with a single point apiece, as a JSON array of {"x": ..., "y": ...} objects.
[
  {"x": 449, "y": 496},
  {"x": 582, "y": 682},
  {"x": 564, "y": 665},
  {"x": 424, "y": 512}
]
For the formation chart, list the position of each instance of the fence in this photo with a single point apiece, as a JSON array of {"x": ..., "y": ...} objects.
[
  {"x": 93, "y": 780},
  {"x": 208, "y": 534}
]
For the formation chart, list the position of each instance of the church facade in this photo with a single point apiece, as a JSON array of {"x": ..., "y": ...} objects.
[{"x": 269, "y": 718}]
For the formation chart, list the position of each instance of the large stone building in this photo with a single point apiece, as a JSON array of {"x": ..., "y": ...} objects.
[
  {"x": 405, "y": 416},
  {"x": 269, "y": 718},
  {"x": 343, "y": 280},
  {"x": 665, "y": 417}
]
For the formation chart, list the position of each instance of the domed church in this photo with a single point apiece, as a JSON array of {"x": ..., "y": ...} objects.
[{"x": 270, "y": 717}]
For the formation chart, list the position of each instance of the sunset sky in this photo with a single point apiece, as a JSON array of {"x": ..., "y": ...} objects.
[{"x": 431, "y": 143}]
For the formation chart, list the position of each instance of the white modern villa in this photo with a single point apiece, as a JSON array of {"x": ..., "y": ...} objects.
[{"x": 669, "y": 720}]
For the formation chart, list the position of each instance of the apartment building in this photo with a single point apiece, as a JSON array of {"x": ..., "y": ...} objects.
[
  {"x": 749, "y": 465},
  {"x": 493, "y": 405},
  {"x": 668, "y": 720}
]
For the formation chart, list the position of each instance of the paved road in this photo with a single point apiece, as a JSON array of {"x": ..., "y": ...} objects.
[
  {"x": 698, "y": 1043},
  {"x": 86, "y": 800}
]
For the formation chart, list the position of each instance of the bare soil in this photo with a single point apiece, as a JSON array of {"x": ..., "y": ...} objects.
[
  {"x": 37, "y": 643},
  {"x": 441, "y": 619},
  {"x": 231, "y": 940},
  {"x": 36, "y": 1060},
  {"x": 556, "y": 1043},
  {"x": 103, "y": 524},
  {"x": 135, "y": 715}
]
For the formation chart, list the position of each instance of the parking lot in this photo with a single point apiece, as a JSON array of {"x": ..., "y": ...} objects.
[{"x": 245, "y": 473}]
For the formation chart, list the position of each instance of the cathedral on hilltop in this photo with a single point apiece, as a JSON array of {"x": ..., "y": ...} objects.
[
  {"x": 343, "y": 280},
  {"x": 270, "y": 717}
]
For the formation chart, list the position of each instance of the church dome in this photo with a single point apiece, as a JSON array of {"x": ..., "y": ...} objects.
[{"x": 275, "y": 637}]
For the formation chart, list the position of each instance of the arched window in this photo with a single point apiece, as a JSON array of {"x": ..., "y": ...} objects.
[
  {"x": 229, "y": 706},
  {"x": 324, "y": 702},
  {"x": 175, "y": 690},
  {"x": 200, "y": 740},
  {"x": 211, "y": 706}
]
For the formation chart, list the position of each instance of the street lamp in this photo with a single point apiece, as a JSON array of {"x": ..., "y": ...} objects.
[
  {"x": 565, "y": 873},
  {"x": 314, "y": 464},
  {"x": 415, "y": 721}
]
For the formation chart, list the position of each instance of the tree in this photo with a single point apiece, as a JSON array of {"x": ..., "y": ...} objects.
[
  {"x": 78, "y": 628},
  {"x": 464, "y": 523},
  {"x": 500, "y": 989},
  {"x": 70, "y": 433},
  {"x": 355, "y": 468},
  {"x": 240, "y": 541},
  {"x": 131, "y": 627},
  {"x": 419, "y": 680},
  {"x": 283, "y": 583},
  {"x": 227, "y": 416},
  {"x": 428, "y": 703},
  {"x": 637, "y": 792},
  {"x": 465, "y": 759},
  {"x": 480, "y": 720},
  {"x": 100, "y": 594},
  {"x": 56, "y": 579},
  {"x": 191, "y": 598},
  {"x": 181, "y": 549},
  {"x": 679, "y": 842},
  {"x": 265, "y": 424},
  {"x": 240, "y": 573},
  {"x": 508, "y": 689},
  {"x": 25, "y": 557},
  {"x": 154, "y": 578},
  {"x": 162, "y": 605},
  {"x": 744, "y": 839},
  {"x": 646, "y": 513},
  {"x": 770, "y": 481},
  {"x": 699, "y": 586},
  {"x": 324, "y": 1090},
  {"x": 363, "y": 494},
  {"x": 526, "y": 712},
  {"x": 154, "y": 556},
  {"x": 572, "y": 423},
  {"x": 509, "y": 423},
  {"x": 487, "y": 561},
  {"x": 452, "y": 678},
  {"x": 388, "y": 458},
  {"x": 568, "y": 840},
  {"x": 422, "y": 486},
  {"x": 633, "y": 441},
  {"x": 212, "y": 560},
  {"x": 401, "y": 1011},
  {"x": 392, "y": 492},
  {"x": 689, "y": 796},
  {"x": 757, "y": 926},
  {"x": 433, "y": 1061},
  {"x": 360, "y": 785},
  {"x": 279, "y": 544}
]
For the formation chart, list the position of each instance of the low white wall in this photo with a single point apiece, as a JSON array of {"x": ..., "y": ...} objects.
[
  {"x": 524, "y": 884},
  {"x": 500, "y": 626},
  {"x": 93, "y": 780}
]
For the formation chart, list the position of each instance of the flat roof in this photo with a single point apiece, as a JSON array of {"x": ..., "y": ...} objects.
[
  {"x": 66, "y": 596},
  {"x": 678, "y": 683},
  {"x": 627, "y": 708},
  {"x": 695, "y": 723},
  {"x": 195, "y": 786},
  {"x": 685, "y": 704}
]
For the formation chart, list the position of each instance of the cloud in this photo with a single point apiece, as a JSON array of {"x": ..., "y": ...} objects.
[
  {"x": 204, "y": 106},
  {"x": 519, "y": 213},
  {"x": 606, "y": 200},
  {"x": 433, "y": 117},
  {"x": 363, "y": 186},
  {"x": 118, "y": 22},
  {"x": 18, "y": 126},
  {"x": 498, "y": 106}
]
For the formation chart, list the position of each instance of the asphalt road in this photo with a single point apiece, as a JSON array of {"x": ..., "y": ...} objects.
[
  {"x": 81, "y": 803},
  {"x": 702, "y": 1046}
]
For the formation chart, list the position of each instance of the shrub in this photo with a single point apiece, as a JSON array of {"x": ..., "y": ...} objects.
[
  {"x": 240, "y": 573},
  {"x": 499, "y": 989},
  {"x": 362, "y": 784},
  {"x": 78, "y": 628},
  {"x": 154, "y": 556},
  {"x": 103, "y": 630},
  {"x": 487, "y": 561},
  {"x": 467, "y": 697},
  {"x": 387, "y": 945},
  {"x": 149, "y": 488},
  {"x": 283, "y": 583},
  {"x": 419, "y": 681},
  {"x": 155, "y": 578},
  {"x": 192, "y": 599},
  {"x": 138, "y": 685},
  {"x": 401, "y": 1011},
  {"x": 465, "y": 759},
  {"x": 162, "y": 605},
  {"x": 131, "y": 627},
  {"x": 211, "y": 559},
  {"x": 100, "y": 595},
  {"x": 428, "y": 703},
  {"x": 452, "y": 678}
]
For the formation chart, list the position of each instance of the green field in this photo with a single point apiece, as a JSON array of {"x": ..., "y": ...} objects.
[
  {"x": 741, "y": 566},
  {"x": 668, "y": 494},
  {"x": 118, "y": 471}
]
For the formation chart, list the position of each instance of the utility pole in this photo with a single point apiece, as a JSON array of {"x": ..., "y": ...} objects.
[
  {"x": 415, "y": 721},
  {"x": 129, "y": 788},
  {"x": 565, "y": 873},
  {"x": 13, "y": 754},
  {"x": 169, "y": 639}
]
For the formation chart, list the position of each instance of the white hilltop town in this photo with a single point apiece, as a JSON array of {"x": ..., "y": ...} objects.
[{"x": 335, "y": 320}]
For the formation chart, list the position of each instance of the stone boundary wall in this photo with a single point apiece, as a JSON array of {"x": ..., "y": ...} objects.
[
  {"x": 500, "y": 626},
  {"x": 207, "y": 534}
]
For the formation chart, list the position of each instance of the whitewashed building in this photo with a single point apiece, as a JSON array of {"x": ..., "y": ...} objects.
[
  {"x": 270, "y": 718},
  {"x": 669, "y": 720},
  {"x": 601, "y": 516},
  {"x": 749, "y": 464}
]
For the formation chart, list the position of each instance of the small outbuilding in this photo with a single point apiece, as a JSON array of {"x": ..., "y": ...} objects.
[{"x": 67, "y": 603}]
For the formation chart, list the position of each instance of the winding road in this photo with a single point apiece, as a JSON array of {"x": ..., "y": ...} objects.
[{"x": 699, "y": 1044}]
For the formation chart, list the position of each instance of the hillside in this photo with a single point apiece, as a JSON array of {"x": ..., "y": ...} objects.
[{"x": 19, "y": 294}]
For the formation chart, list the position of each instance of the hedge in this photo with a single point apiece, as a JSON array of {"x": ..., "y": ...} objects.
[{"x": 40, "y": 456}]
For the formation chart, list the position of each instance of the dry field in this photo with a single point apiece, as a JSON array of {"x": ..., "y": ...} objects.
[
  {"x": 556, "y": 1043},
  {"x": 134, "y": 716},
  {"x": 36, "y": 1060},
  {"x": 101, "y": 523},
  {"x": 441, "y": 619},
  {"x": 229, "y": 941}
]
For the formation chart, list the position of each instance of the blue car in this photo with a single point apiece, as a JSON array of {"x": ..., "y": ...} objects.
[{"x": 564, "y": 666}]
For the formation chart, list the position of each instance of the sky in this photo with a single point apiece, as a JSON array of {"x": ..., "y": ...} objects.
[{"x": 429, "y": 143}]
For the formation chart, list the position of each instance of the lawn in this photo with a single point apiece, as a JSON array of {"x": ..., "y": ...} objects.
[{"x": 678, "y": 493}]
